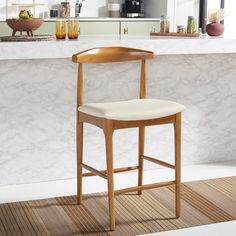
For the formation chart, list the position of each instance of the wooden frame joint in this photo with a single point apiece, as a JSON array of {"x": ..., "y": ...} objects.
[
  {"x": 159, "y": 162},
  {"x": 94, "y": 171}
]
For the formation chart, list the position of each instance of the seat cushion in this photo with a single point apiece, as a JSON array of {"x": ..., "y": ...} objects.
[{"x": 137, "y": 109}]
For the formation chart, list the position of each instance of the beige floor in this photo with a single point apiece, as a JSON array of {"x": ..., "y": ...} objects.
[{"x": 67, "y": 187}]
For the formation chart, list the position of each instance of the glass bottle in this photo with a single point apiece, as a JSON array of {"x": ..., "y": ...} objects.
[
  {"x": 60, "y": 28},
  {"x": 165, "y": 24},
  {"x": 73, "y": 28},
  {"x": 191, "y": 25},
  {"x": 65, "y": 9},
  {"x": 180, "y": 29}
]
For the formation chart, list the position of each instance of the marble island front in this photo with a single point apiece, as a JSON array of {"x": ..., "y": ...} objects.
[
  {"x": 37, "y": 103},
  {"x": 160, "y": 46}
]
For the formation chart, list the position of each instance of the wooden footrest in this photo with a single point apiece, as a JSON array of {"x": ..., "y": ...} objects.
[
  {"x": 144, "y": 187},
  {"x": 94, "y": 172}
]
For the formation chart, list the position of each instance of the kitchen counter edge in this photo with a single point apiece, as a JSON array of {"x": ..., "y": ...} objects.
[{"x": 160, "y": 46}]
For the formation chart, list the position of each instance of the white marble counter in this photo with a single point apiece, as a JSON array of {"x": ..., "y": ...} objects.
[
  {"x": 37, "y": 104},
  {"x": 160, "y": 46},
  {"x": 99, "y": 19}
]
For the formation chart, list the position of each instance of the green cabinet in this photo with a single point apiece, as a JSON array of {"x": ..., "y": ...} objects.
[
  {"x": 5, "y": 30},
  {"x": 85, "y": 28},
  {"x": 122, "y": 28},
  {"x": 48, "y": 27},
  {"x": 99, "y": 28},
  {"x": 139, "y": 27}
]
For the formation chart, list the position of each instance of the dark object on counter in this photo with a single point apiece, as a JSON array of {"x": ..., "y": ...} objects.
[
  {"x": 215, "y": 29},
  {"x": 222, "y": 5},
  {"x": 78, "y": 7},
  {"x": 24, "y": 25},
  {"x": 53, "y": 13},
  {"x": 202, "y": 15},
  {"x": 133, "y": 9},
  {"x": 27, "y": 38},
  {"x": 135, "y": 15}
]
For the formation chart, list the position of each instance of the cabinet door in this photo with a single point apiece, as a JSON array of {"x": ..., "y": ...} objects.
[
  {"x": 5, "y": 30},
  {"x": 99, "y": 28},
  {"x": 139, "y": 27},
  {"x": 47, "y": 28}
]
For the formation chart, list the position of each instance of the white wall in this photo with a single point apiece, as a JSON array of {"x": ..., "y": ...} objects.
[
  {"x": 157, "y": 8},
  {"x": 185, "y": 8},
  {"x": 230, "y": 20},
  {"x": 91, "y": 8},
  {"x": 178, "y": 10}
]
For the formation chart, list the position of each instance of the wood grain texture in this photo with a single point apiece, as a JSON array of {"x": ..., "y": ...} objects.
[
  {"x": 177, "y": 133},
  {"x": 94, "y": 171},
  {"x": 115, "y": 170},
  {"x": 121, "y": 54},
  {"x": 79, "y": 152},
  {"x": 111, "y": 54},
  {"x": 108, "y": 132},
  {"x": 203, "y": 202},
  {"x": 25, "y": 38},
  {"x": 175, "y": 34},
  {"x": 159, "y": 162},
  {"x": 141, "y": 146}
]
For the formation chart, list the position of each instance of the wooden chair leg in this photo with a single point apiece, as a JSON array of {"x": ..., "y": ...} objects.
[
  {"x": 109, "y": 158},
  {"x": 177, "y": 131},
  {"x": 79, "y": 150},
  {"x": 141, "y": 141}
]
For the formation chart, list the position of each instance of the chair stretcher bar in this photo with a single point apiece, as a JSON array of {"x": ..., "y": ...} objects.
[
  {"x": 94, "y": 171},
  {"x": 104, "y": 172},
  {"x": 144, "y": 187},
  {"x": 159, "y": 162}
]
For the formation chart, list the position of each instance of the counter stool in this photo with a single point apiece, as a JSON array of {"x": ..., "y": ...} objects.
[{"x": 111, "y": 116}]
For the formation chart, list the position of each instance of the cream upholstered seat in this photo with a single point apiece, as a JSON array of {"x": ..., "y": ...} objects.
[{"x": 136, "y": 109}]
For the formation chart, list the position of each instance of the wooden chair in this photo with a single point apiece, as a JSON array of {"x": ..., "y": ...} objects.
[{"x": 125, "y": 114}]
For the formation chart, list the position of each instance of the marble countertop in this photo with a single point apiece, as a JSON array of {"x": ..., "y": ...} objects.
[
  {"x": 99, "y": 19},
  {"x": 109, "y": 19},
  {"x": 160, "y": 46}
]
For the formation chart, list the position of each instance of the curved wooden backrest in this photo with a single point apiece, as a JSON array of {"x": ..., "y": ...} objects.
[{"x": 111, "y": 54}]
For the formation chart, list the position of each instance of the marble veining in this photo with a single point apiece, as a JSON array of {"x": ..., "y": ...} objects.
[
  {"x": 159, "y": 45},
  {"x": 37, "y": 113}
]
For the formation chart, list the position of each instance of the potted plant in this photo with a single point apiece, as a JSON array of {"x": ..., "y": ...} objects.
[{"x": 215, "y": 28}]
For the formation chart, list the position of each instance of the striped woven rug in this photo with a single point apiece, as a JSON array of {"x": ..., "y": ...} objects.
[{"x": 203, "y": 202}]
